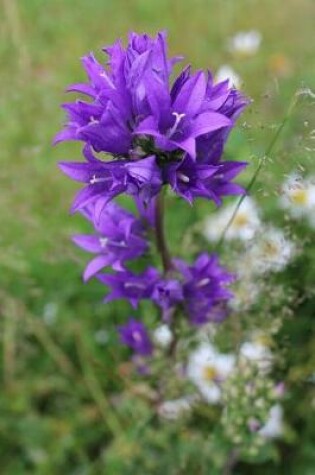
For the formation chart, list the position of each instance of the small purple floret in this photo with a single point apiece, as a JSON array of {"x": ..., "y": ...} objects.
[
  {"x": 204, "y": 288},
  {"x": 134, "y": 334},
  {"x": 130, "y": 286},
  {"x": 119, "y": 238}
]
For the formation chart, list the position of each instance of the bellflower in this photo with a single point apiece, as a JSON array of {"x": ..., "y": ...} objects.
[
  {"x": 107, "y": 180},
  {"x": 117, "y": 93},
  {"x": 190, "y": 179},
  {"x": 129, "y": 286},
  {"x": 156, "y": 132},
  {"x": 119, "y": 238},
  {"x": 134, "y": 334},
  {"x": 204, "y": 288},
  {"x": 167, "y": 293}
]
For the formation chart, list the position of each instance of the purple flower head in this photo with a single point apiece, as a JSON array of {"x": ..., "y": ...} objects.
[
  {"x": 167, "y": 293},
  {"x": 204, "y": 288},
  {"x": 119, "y": 238},
  {"x": 106, "y": 180},
  {"x": 129, "y": 286},
  {"x": 179, "y": 117},
  {"x": 135, "y": 335},
  {"x": 117, "y": 94},
  {"x": 156, "y": 133}
]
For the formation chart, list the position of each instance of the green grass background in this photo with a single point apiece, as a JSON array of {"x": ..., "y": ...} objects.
[{"x": 54, "y": 410}]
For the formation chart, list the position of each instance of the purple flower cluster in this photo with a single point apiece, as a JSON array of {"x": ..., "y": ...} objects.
[
  {"x": 147, "y": 131},
  {"x": 140, "y": 132},
  {"x": 119, "y": 238},
  {"x": 134, "y": 334},
  {"x": 200, "y": 289}
]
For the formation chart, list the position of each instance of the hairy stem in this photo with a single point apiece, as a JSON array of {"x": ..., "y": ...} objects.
[
  {"x": 164, "y": 252},
  {"x": 161, "y": 243}
]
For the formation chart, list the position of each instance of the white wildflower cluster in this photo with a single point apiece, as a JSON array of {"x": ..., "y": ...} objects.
[
  {"x": 162, "y": 336},
  {"x": 252, "y": 412},
  {"x": 270, "y": 252},
  {"x": 245, "y": 43},
  {"x": 265, "y": 248},
  {"x": 226, "y": 72},
  {"x": 177, "y": 408},
  {"x": 244, "y": 225},
  {"x": 208, "y": 369},
  {"x": 298, "y": 198},
  {"x": 240, "y": 383}
]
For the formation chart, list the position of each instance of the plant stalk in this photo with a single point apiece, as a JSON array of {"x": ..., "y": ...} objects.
[{"x": 161, "y": 243}]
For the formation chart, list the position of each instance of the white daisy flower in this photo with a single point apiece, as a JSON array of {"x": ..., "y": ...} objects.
[
  {"x": 273, "y": 427},
  {"x": 244, "y": 225},
  {"x": 176, "y": 408},
  {"x": 298, "y": 197},
  {"x": 163, "y": 336},
  {"x": 257, "y": 352},
  {"x": 272, "y": 251},
  {"x": 207, "y": 369},
  {"x": 226, "y": 72},
  {"x": 245, "y": 43}
]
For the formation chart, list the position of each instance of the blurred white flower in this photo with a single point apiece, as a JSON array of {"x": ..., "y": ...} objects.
[
  {"x": 207, "y": 369},
  {"x": 101, "y": 337},
  {"x": 244, "y": 225},
  {"x": 257, "y": 352},
  {"x": 176, "y": 408},
  {"x": 298, "y": 197},
  {"x": 272, "y": 251},
  {"x": 207, "y": 332},
  {"x": 273, "y": 427},
  {"x": 245, "y": 43},
  {"x": 245, "y": 294},
  {"x": 50, "y": 313},
  {"x": 226, "y": 72},
  {"x": 163, "y": 336}
]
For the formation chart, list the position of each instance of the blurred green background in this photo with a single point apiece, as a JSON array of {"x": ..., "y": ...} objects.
[{"x": 59, "y": 353}]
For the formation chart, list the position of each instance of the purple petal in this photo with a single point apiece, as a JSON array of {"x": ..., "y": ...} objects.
[
  {"x": 208, "y": 122},
  {"x": 95, "y": 265},
  {"x": 88, "y": 242}
]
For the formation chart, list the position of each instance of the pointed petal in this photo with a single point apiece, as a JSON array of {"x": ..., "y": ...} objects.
[
  {"x": 88, "y": 242},
  {"x": 191, "y": 95},
  {"x": 95, "y": 265},
  {"x": 209, "y": 122},
  {"x": 68, "y": 133}
]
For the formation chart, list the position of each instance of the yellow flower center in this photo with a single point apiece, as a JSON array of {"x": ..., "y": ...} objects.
[
  {"x": 270, "y": 249},
  {"x": 240, "y": 220},
  {"x": 264, "y": 340},
  {"x": 209, "y": 373},
  {"x": 299, "y": 197}
]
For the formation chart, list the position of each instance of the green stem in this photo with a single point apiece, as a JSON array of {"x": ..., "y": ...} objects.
[{"x": 161, "y": 243}]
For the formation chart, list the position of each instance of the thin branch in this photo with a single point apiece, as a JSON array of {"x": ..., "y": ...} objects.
[{"x": 161, "y": 243}]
